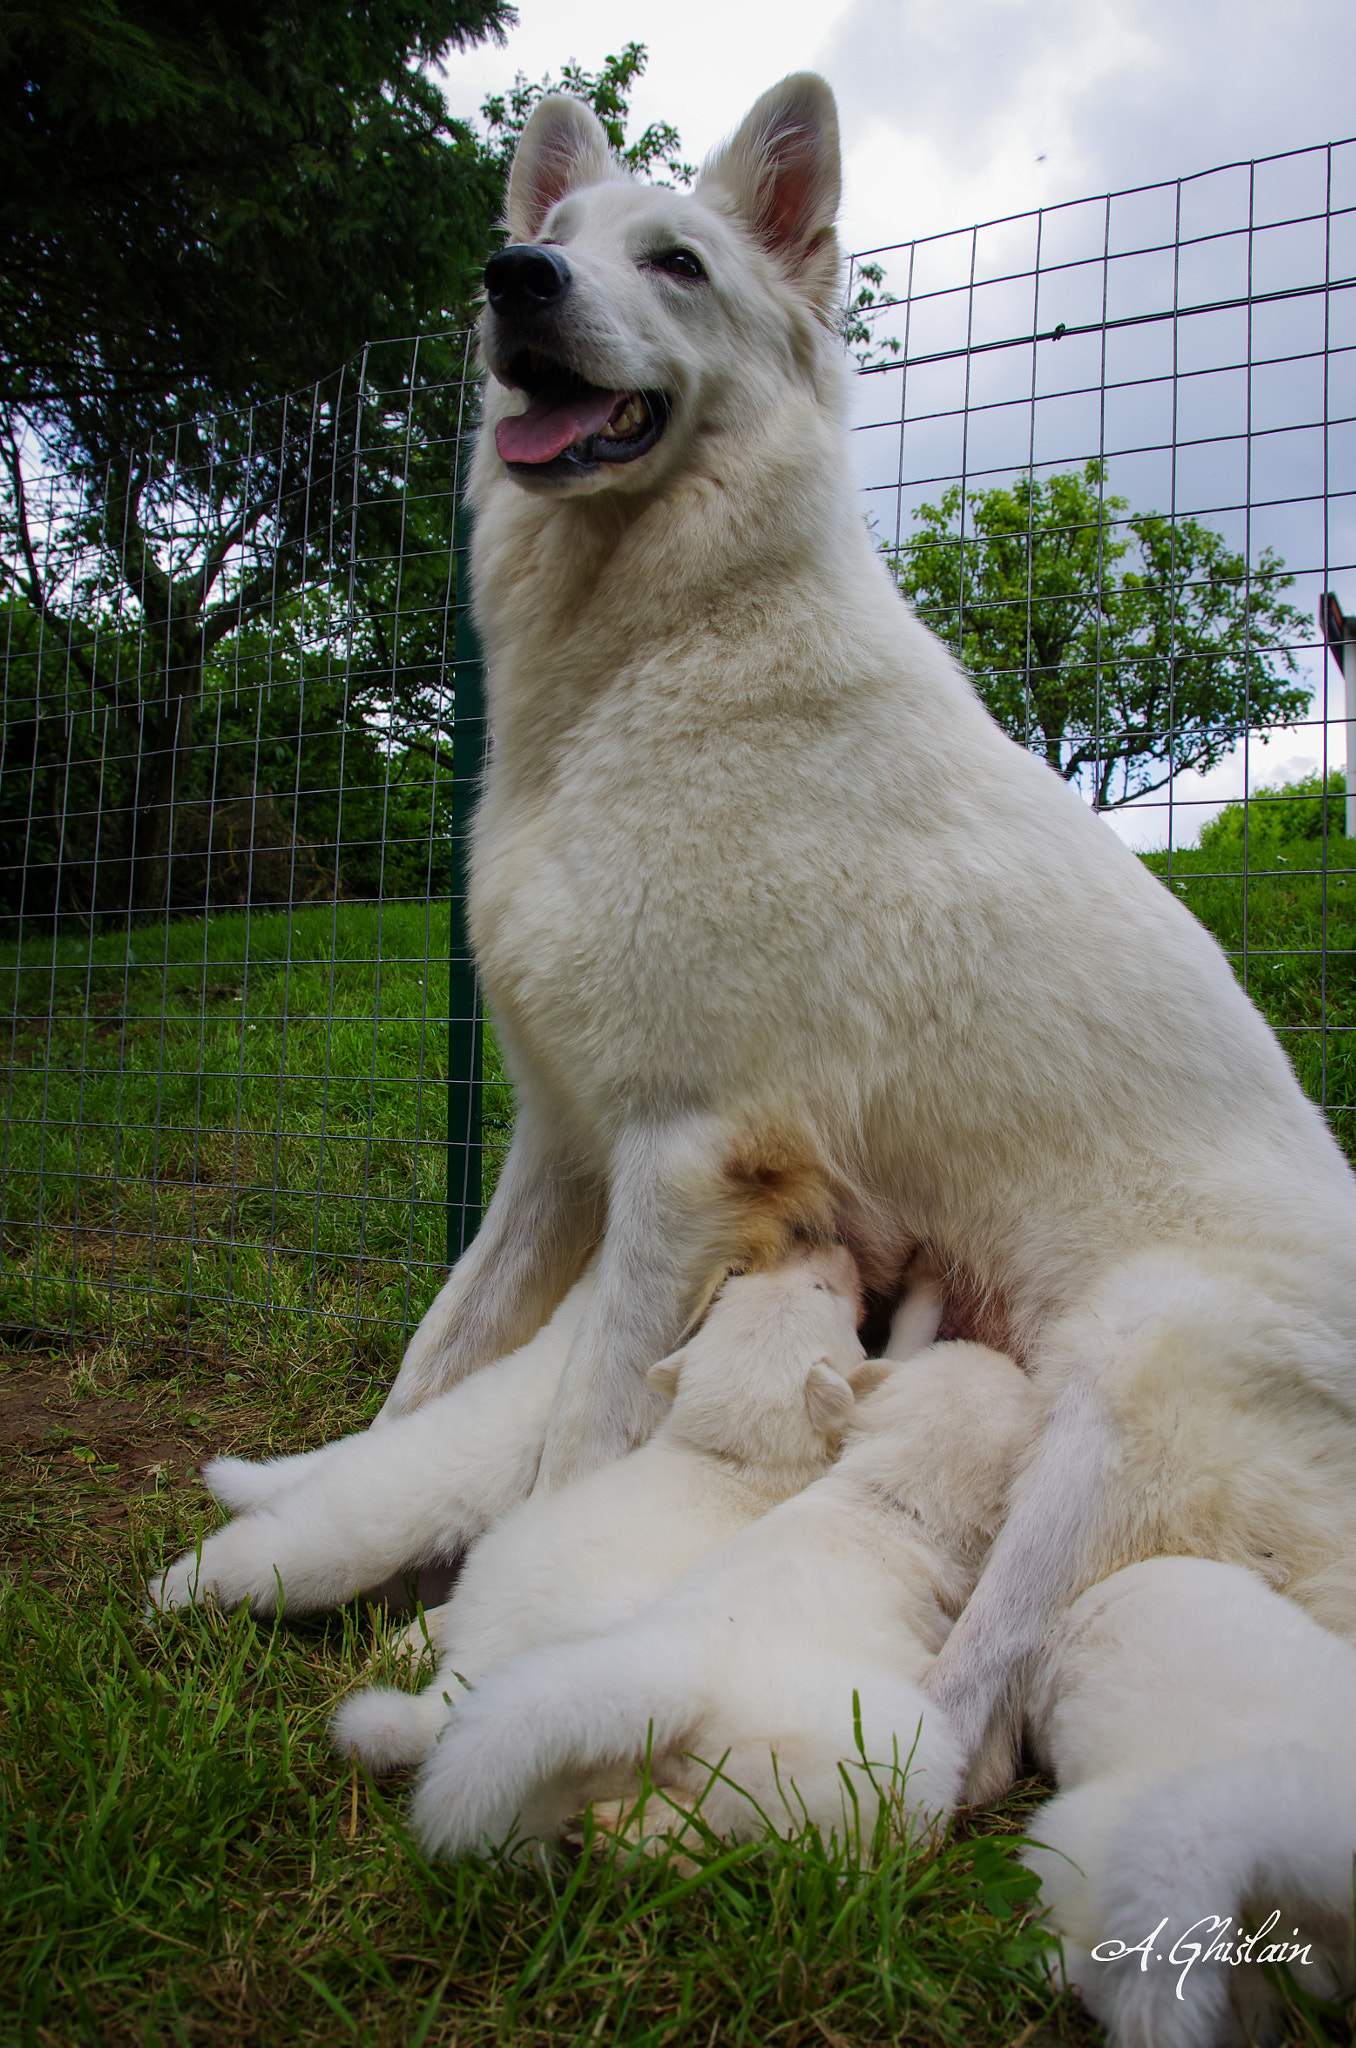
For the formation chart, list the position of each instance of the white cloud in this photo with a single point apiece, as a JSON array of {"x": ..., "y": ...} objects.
[{"x": 948, "y": 111}]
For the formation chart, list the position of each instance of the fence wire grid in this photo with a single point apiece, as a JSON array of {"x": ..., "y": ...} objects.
[{"x": 1108, "y": 449}]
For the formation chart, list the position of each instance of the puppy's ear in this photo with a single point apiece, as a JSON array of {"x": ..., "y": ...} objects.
[
  {"x": 562, "y": 147},
  {"x": 663, "y": 1377},
  {"x": 870, "y": 1374},
  {"x": 781, "y": 173},
  {"x": 829, "y": 1400}
]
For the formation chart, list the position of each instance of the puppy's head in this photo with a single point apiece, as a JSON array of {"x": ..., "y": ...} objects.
[
  {"x": 622, "y": 320},
  {"x": 770, "y": 1379},
  {"x": 944, "y": 1436}
]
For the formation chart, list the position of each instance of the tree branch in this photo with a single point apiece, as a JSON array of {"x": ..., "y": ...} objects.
[{"x": 37, "y": 595}]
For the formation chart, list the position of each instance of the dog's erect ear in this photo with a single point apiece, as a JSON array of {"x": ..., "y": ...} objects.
[
  {"x": 829, "y": 1400},
  {"x": 782, "y": 171},
  {"x": 562, "y": 146},
  {"x": 663, "y": 1377}
]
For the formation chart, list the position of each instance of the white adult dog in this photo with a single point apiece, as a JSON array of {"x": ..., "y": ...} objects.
[
  {"x": 1201, "y": 1731},
  {"x": 781, "y": 932},
  {"x": 790, "y": 1658}
]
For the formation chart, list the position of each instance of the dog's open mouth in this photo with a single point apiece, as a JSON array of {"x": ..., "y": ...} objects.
[{"x": 570, "y": 425}]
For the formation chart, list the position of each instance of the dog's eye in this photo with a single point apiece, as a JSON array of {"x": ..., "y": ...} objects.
[{"x": 678, "y": 263}]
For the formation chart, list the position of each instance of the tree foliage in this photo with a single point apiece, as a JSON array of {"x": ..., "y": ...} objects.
[
  {"x": 607, "y": 92},
  {"x": 1123, "y": 647},
  {"x": 228, "y": 628},
  {"x": 206, "y": 204}
]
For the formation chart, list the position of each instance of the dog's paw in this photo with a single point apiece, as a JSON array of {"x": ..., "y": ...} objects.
[
  {"x": 183, "y": 1584},
  {"x": 390, "y": 1730},
  {"x": 653, "y": 1826}
]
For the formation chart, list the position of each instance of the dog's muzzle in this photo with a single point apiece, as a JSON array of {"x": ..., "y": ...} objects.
[{"x": 570, "y": 425}]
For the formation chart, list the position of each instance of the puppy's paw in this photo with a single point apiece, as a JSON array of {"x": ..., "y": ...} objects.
[{"x": 654, "y": 1826}]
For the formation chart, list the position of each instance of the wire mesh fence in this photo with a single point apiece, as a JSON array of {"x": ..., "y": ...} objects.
[
  {"x": 1108, "y": 448},
  {"x": 242, "y": 1099}
]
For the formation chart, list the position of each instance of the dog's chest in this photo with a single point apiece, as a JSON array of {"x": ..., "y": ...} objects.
[{"x": 648, "y": 909}]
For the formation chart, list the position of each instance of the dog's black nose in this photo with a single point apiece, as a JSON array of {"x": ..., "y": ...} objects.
[{"x": 525, "y": 278}]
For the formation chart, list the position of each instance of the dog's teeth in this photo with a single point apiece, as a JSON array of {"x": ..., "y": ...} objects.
[{"x": 627, "y": 420}]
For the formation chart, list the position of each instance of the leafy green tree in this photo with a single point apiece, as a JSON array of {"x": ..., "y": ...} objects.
[
  {"x": 300, "y": 547},
  {"x": 868, "y": 299},
  {"x": 1122, "y": 647},
  {"x": 607, "y": 91},
  {"x": 202, "y": 204}
]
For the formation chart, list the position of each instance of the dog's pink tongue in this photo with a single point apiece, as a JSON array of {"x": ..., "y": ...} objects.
[{"x": 548, "y": 426}]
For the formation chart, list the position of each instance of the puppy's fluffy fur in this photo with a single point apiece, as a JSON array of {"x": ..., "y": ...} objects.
[
  {"x": 761, "y": 1398},
  {"x": 780, "y": 931},
  {"x": 1200, "y": 1728},
  {"x": 752, "y": 1660}
]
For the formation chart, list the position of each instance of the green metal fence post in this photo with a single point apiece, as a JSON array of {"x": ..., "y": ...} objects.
[{"x": 465, "y": 1027}]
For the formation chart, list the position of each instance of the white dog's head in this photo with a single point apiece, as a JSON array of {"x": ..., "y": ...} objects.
[
  {"x": 771, "y": 1377},
  {"x": 622, "y": 319}
]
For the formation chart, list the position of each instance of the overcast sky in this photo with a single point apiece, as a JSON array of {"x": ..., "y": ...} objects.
[{"x": 957, "y": 113}]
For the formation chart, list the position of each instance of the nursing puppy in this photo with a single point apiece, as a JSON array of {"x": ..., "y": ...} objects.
[
  {"x": 761, "y": 1408},
  {"x": 751, "y": 1662},
  {"x": 781, "y": 932},
  {"x": 1200, "y": 1728},
  {"x": 761, "y": 1397}
]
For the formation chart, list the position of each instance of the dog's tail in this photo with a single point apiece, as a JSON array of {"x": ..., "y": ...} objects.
[
  {"x": 1156, "y": 1890},
  {"x": 550, "y": 1729}
]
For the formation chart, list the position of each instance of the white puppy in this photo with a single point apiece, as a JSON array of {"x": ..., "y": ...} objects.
[
  {"x": 1202, "y": 1730},
  {"x": 761, "y": 1397},
  {"x": 755, "y": 1657}
]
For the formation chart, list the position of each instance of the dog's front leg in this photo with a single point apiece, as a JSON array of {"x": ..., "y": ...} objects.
[
  {"x": 545, "y": 1218},
  {"x": 673, "y": 1232},
  {"x": 1042, "y": 1556}
]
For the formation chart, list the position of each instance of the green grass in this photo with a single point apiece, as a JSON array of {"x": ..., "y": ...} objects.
[
  {"x": 233, "y": 1129},
  {"x": 183, "y": 1858},
  {"x": 1290, "y": 928}
]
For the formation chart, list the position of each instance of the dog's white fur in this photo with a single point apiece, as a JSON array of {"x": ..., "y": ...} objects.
[
  {"x": 313, "y": 1530},
  {"x": 318, "y": 1528},
  {"x": 1201, "y": 1730},
  {"x": 761, "y": 1397},
  {"x": 772, "y": 916},
  {"x": 751, "y": 1662}
]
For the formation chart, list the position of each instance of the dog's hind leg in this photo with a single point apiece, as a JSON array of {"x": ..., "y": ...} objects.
[
  {"x": 546, "y": 1215},
  {"x": 691, "y": 1199}
]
